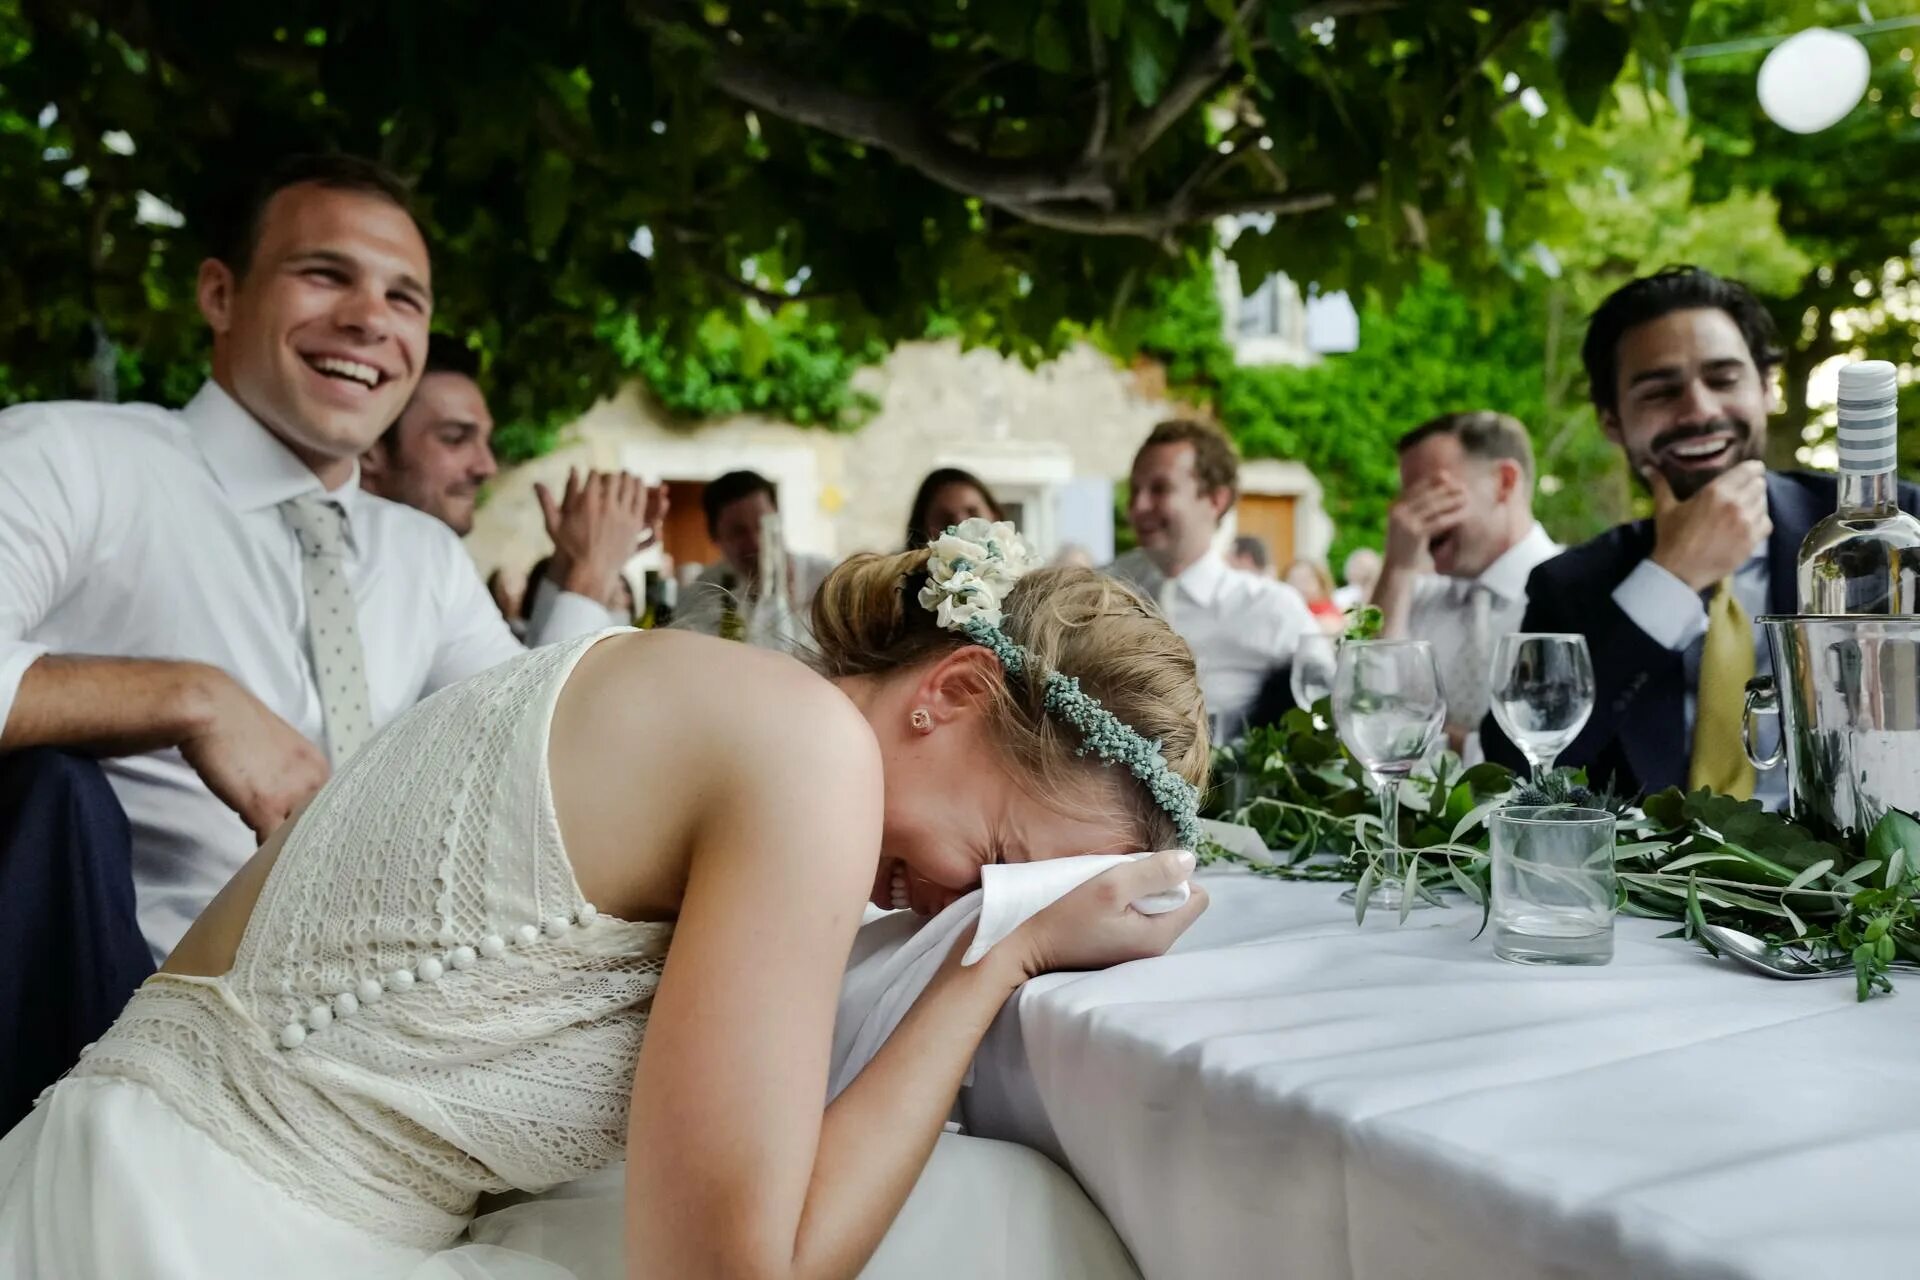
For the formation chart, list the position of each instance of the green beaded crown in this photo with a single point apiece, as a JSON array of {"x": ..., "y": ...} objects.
[{"x": 970, "y": 571}]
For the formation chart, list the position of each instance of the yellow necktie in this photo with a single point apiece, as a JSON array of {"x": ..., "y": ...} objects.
[{"x": 1726, "y": 664}]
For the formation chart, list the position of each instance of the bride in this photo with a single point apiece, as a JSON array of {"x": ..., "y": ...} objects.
[{"x": 597, "y": 902}]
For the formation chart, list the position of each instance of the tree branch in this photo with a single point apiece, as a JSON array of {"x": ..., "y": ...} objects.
[
  {"x": 902, "y": 134},
  {"x": 1102, "y": 89},
  {"x": 1196, "y": 81},
  {"x": 1157, "y": 223}
]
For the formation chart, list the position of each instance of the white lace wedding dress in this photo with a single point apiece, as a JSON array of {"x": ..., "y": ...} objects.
[{"x": 423, "y": 1010}]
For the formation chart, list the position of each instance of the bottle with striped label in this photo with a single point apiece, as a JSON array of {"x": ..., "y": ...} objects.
[{"x": 1865, "y": 557}]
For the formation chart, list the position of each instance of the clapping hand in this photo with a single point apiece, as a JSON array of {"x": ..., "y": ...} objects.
[{"x": 599, "y": 523}]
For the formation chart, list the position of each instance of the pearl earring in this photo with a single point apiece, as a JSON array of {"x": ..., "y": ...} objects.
[{"x": 921, "y": 719}]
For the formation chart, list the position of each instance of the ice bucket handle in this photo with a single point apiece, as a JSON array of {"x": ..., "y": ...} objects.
[{"x": 1763, "y": 699}]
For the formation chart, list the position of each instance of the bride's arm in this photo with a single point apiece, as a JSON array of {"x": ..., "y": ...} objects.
[{"x": 735, "y": 1166}]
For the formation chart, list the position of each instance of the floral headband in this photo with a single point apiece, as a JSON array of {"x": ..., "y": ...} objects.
[{"x": 971, "y": 569}]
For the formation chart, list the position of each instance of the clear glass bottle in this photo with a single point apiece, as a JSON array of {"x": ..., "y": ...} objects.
[
  {"x": 770, "y": 623},
  {"x": 1865, "y": 557}
]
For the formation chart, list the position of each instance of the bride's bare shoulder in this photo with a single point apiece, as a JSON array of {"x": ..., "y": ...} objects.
[{"x": 689, "y": 689}]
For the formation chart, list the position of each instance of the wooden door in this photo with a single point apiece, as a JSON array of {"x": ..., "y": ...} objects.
[
  {"x": 1269, "y": 517},
  {"x": 685, "y": 534}
]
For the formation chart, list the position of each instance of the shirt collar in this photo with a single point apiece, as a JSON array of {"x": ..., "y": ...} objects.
[
  {"x": 254, "y": 468},
  {"x": 1201, "y": 581},
  {"x": 1507, "y": 576}
]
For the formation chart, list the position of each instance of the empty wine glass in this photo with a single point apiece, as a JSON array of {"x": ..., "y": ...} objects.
[
  {"x": 1313, "y": 665},
  {"x": 1388, "y": 708},
  {"x": 1542, "y": 692}
]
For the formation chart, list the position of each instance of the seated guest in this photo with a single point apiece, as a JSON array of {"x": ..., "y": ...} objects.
[
  {"x": 439, "y": 453},
  {"x": 1249, "y": 554},
  {"x": 1680, "y": 368},
  {"x": 206, "y": 597},
  {"x": 1360, "y": 572},
  {"x": 1461, "y": 541},
  {"x": 947, "y": 497},
  {"x": 617, "y": 607},
  {"x": 1241, "y": 628},
  {"x": 1315, "y": 585},
  {"x": 734, "y": 505}
]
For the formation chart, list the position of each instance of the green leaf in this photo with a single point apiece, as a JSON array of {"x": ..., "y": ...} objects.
[
  {"x": 1474, "y": 817},
  {"x": 1595, "y": 50},
  {"x": 1361, "y": 892},
  {"x": 1811, "y": 874},
  {"x": 1151, "y": 52},
  {"x": 1464, "y": 882},
  {"x": 1052, "y": 44},
  {"x": 549, "y": 192},
  {"x": 1894, "y": 831},
  {"x": 1107, "y": 15},
  {"x": 1409, "y": 889}
]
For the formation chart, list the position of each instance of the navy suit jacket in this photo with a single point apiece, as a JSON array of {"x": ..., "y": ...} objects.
[{"x": 1637, "y": 740}]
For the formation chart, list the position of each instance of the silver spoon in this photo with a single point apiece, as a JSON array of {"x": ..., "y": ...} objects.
[{"x": 1775, "y": 962}]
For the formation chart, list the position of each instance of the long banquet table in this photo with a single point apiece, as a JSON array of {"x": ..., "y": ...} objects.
[{"x": 1287, "y": 1095}]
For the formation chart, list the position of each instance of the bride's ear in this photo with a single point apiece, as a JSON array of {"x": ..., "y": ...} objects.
[{"x": 960, "y": 684}]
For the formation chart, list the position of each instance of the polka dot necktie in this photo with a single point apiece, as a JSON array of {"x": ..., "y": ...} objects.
[{"x": 333, "y": 629}]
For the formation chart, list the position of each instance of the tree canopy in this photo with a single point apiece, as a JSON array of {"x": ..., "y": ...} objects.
[{"x": 1017, "y": 167}]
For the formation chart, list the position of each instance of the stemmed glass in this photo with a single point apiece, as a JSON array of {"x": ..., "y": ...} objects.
[
  {"x": 1542, "y": 692},
  {"x": 1388, "y": 708},
  {"x": 1313, "y": 667}
]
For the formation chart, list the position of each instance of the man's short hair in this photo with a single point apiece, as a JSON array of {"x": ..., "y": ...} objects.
[
  {"x": 1216, "y": 463},
  {"x": 1680, "y": 288},
  {"x": 235, "y": 229},
  {"x": 1253, "y": 548},
  {"x": 1482, "y": 434},
  {"x": 731, "y": 488},
  {"x": 444, "y": 355}
]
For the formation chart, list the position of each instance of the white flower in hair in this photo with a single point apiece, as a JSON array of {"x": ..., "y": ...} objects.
[{"x": 971, "y": 569}]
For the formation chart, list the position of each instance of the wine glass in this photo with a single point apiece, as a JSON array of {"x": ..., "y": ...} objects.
[
  {"x": 1313, "y": 666},
  {"x": 1542, "y": 692},
  {"x": 1388, "y": 708}
]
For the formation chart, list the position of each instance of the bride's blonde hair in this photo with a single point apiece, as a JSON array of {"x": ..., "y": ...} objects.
[{"x": 867, "y": 620}]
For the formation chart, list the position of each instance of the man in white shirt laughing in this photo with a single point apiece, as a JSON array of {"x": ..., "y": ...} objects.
[
  {"x": 1240, "y": 627},
  {"x": 206, "y": 597},
  {"x": 1461, "y": 541}
]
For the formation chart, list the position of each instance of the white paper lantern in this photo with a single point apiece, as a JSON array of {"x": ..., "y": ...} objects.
[{"x": 1812, "y": 80}]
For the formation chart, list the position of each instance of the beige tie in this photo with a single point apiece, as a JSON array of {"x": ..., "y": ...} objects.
[
  {"x": 1467, "y": 678},
  {"x": 333, "y": 629}
]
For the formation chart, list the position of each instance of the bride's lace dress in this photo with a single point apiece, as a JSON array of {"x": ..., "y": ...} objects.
[{"x": 423, "y": 1007}]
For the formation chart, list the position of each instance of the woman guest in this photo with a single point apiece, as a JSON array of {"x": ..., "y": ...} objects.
[
  {"x": 948, "y": 497},
  {"x": 1311, "y": 580}
]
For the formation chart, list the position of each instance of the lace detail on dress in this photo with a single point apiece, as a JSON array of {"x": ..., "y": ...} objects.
[{"x": 423, "y": 1007}]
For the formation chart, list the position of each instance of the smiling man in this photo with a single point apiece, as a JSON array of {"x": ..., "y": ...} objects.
[
  {"x": 1241, "y": 628},
  {"x": 1680, "y": 366},
  {"x": 205, "y": 598}
]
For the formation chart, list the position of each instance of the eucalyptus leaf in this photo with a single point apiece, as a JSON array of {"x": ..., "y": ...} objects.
[
  {"x": 1409, "y": 889},
  {"x": 1808, "y": 876},
  {"x": 1361, "y": 892}
]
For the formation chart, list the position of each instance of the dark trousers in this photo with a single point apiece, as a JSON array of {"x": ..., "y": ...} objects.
[{"x": 71, "y": 953}]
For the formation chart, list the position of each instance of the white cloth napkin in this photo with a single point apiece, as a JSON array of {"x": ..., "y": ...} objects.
[{"x": 896, "y": 956}]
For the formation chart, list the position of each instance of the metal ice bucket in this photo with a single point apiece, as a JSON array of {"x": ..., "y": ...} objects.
[{"x": 1847, "y": 692}]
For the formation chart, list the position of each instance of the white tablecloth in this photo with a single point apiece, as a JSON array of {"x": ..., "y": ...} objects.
[{"x": 1289, "y": 1096}]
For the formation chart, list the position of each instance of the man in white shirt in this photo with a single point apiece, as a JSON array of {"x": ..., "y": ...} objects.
[
  {"x": 207, "y": 597},
  {"x": 1241, "y": 628},
  {"x": 439, "y": 453},
  {"x": 734, "y": 505},
  {"x": 1461, "y": 543}
]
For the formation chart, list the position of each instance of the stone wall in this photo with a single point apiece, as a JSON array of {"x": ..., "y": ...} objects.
[{"x": 1030, "y": 432}]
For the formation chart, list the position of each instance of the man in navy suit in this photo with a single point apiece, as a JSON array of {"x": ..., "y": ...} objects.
[{"x": 1680, "y": 369}]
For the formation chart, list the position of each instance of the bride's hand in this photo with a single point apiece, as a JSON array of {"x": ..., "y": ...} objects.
[{"x": 1096, "y": 926}]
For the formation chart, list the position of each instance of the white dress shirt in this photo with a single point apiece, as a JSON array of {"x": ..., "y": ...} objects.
[
  {"x": 1441, "y": 613},
  {"x": 1239, "y": 626},
  {"x": 132, "y": 531},
  {"x": 1675, "y": 615}
]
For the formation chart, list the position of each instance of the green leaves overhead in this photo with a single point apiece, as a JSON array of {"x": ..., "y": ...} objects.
[{"x": 1057, "y": 156}]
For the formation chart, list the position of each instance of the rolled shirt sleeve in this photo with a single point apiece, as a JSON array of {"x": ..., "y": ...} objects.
[{"x": 49, "y": 512}]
